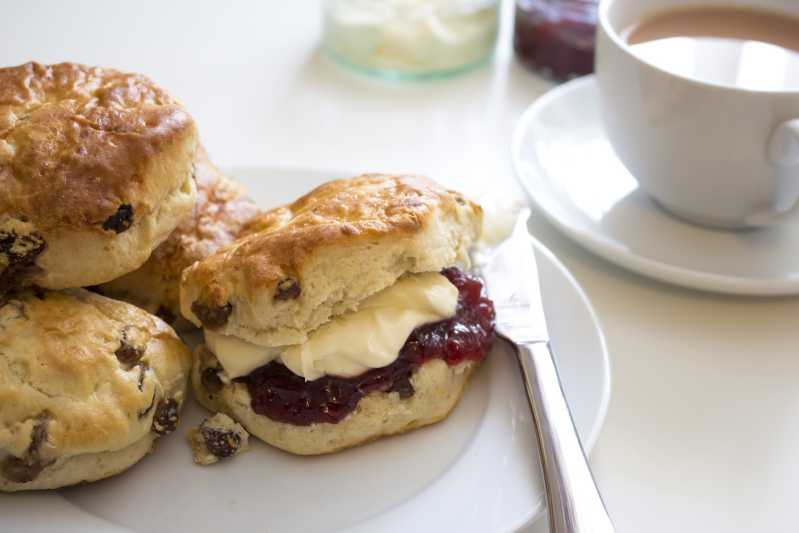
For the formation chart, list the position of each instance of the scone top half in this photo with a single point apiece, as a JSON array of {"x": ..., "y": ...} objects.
[
  {"x": 319, "y": 257},
  {"x": 95, "y": 171}
]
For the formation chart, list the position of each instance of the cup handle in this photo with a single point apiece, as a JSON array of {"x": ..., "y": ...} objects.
[
  {"x": 783, "y": 148},
  {"x": 783, "y": 153}
]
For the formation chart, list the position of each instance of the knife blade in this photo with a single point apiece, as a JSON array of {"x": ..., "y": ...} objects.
[{"x": 513, "y": 284}]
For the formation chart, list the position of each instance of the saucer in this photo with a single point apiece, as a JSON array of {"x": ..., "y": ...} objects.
[{"x": 563, "y": 158}]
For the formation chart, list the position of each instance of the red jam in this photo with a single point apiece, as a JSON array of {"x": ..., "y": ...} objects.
[{"x": 281, "y": 395}]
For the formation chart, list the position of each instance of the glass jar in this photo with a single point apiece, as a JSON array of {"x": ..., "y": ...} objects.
[
  {"x": 556, "y": 37},
  {"x": 410, "y": 39}
]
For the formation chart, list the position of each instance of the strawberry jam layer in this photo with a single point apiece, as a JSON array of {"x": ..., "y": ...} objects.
[{"x": 283, "y": 396}]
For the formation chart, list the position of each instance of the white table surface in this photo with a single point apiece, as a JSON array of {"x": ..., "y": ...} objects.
[{"x": 703, "y": 429}]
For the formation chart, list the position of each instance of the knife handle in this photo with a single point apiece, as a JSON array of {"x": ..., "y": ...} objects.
[{"x": 574, "y": 502}]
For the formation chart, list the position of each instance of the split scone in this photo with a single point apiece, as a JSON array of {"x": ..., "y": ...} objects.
[
  {"x": 218, "y": 217},
  {"x": 344, "y": 317},
  {"x": 86, "y": 386},
  {"x": 95, "y": 172}
]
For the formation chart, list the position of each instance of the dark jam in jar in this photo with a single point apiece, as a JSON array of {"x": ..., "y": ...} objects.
[
  {"x": 556, "y": 37},
  {"x": 281, "y": 395}
]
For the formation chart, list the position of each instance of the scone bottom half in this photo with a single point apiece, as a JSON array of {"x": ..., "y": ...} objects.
[
  {"x": 333, "y": 413},
  {"x": 87, "y": 384}
]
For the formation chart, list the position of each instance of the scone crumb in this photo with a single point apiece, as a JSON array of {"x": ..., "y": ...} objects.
[{"x": 218, "y": 437}]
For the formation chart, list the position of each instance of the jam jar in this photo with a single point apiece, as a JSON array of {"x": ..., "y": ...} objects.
[{"x": 556, "y": 37}]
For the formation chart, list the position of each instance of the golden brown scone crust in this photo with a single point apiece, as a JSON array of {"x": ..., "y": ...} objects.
[
  {"x": 299, "y": 264},
  {"x": 222, "y": 209},
  {"x": 81, "y": 376},
  {"x": 337, "y": 212},
  {"x": 75, "y": 138},
  {"x": 437, "y": 386},
  {"x": 91, "y": 152}
]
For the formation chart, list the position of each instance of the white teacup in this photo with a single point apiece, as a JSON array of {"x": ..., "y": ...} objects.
[{"x": 716, "y": 155}]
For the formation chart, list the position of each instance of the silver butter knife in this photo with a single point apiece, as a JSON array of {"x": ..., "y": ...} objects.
[{"x": 511, "y": 276}]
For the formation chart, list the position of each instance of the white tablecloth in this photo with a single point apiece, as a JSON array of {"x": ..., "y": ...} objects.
[{"x": 703, "y": 429}]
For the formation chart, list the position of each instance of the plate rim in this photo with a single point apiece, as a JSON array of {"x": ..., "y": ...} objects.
[
  {"x": 607, "y": 369},
  {"x": 596, "y": 243}
]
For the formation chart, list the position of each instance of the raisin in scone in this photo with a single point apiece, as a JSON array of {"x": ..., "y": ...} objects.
[
  {"x": 216, "y": 438},
  {"x": 218, "y": 217},
  {"x": 345, "y": 316},
  {"x": 95, "y": 172},
  {"x": 87, "y": 384}
]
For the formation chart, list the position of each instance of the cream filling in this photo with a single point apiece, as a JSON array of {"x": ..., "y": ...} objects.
[{"x": 355, "y": 342}]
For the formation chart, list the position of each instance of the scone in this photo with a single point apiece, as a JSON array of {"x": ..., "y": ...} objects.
[
  {"x": 344, "y": 317},
  {"x": 95, "y": 172},
  {"x": 221, "y": 211},
  {"x": 86, "y": 386}
]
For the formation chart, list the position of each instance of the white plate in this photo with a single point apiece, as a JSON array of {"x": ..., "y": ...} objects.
[
  {"x": 564, "y": 160},
  {"x": 475, "y": 472}
]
